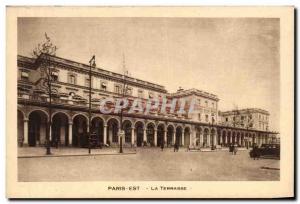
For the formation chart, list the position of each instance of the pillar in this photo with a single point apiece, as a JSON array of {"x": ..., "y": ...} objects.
[
  {"x": 201, "y": 139},
  {"x": 155, "y": 137},
  {"x": 145, "y": 135},
  {"x": 132, "y": 136},
  {"x": 182, "y": 137},
  {"x": 25, "y": 142},
  {"x": 192, "y": 137},
  {"x": 165, "y": 136},
  {"x": 240, "y": 140},
  {"x": 215, "y": 139},
  {"x": 208, "y": 139},
  {"x": 221, "y": 139},
  {"x": 70, "y": 133},
  {"x": 226, "y": 142},
  {"x": 105, "y": 134},
  {"x": 174, "y": 136}
]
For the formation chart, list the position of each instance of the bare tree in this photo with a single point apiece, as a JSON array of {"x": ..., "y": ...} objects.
[{"x": 43, "y": 52}]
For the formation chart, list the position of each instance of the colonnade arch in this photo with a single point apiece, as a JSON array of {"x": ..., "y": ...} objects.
[{"x": 68, "y": 129}]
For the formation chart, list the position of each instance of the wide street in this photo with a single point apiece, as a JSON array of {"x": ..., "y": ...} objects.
[{"x": 150, "y": 164}]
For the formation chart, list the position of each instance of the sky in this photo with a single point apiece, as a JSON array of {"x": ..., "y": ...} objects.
[{"x": 235, "y": 58}]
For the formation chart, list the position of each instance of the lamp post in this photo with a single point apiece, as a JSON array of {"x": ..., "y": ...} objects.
[
  {"x": 124, "y": 91},
  {"x": 92, "y": 64}
]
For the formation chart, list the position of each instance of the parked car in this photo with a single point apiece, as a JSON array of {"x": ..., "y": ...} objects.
[{"x": 272, "y": 150}]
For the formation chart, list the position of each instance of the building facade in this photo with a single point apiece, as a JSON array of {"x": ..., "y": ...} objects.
[{"x": 206, "y": 126}]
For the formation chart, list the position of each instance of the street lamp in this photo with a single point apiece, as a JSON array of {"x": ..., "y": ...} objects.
[
  {"x": 124, "y": 91},
  {"x": 92, "y": 64}
]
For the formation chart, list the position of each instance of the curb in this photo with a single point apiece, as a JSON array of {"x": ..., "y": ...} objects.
[{"x": 75, "y": 155}]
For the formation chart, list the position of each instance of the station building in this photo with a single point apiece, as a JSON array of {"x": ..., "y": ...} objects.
[{"x": 205, "y": 127}]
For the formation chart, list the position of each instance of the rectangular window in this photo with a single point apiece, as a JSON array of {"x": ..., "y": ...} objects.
[
  {"x": 242, "y": 117},
  {"x": 118, "y": 89},
  {"x": 72, "y": 79},
  {"x": 129, "y": 91},
  {"x": 206, "y": 103},
  {"x": 206, "y": 118},
  {"x": 103, "y": 86},
  {"x": 87, "y": 82},
  {"x": 199, "y": 116},
  {"x": 213, "y": 120},
  {"x": 140, "y": 93},
  {"x": 213, "y": 105},
  {"x": 226, "y": 119}
]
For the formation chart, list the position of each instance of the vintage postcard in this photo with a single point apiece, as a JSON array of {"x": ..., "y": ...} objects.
[{"x": 150, "y": 102}]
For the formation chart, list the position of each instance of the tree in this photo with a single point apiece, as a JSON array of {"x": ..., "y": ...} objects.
[{"x": 43, "y": 53}]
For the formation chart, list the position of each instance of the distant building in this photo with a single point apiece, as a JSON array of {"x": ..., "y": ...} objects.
[
  {"x": 70, "y": 111},
  {"x": 251, "y": 118}
]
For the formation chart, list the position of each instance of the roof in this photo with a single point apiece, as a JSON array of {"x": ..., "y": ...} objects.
[
  {"x": 193, "y": 91},
  {"x": 244, "y": 111}
]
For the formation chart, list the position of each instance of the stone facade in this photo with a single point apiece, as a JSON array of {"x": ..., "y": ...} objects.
[{"x": 205, "y": 127}]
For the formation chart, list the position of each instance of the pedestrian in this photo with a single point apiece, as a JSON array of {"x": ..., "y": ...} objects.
[
  {"x": 176, "y": 147},
  {"x": 230, "y": 148},
  {"x": 235, "y": 149},
  {"x": 162, "y": 146}
]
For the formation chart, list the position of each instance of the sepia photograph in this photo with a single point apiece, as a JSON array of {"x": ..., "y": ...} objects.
[{"x": 149, "y": 99}]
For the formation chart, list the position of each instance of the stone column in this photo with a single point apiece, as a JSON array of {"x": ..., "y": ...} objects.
[
  {"x": 215, "y": 139},
  {"x": 165, "y": 137},
  {"x": 192, "y": 137},
  {"x": 132, "y": 136},
  {"x": 174, "y": 136},
  {"x": 145, "y": 135},
  {"x": 201, "y": 139},
  {"x": 182, "y": 138},
  {"x": 208, "y": 140},
  {"x": 25, "y": 142},
  {"x": 226, "y": 141},
  {"x": 70, "y": 133},
  {"x": 221, "y": 139},
  {"x": 240, "y": 140},
  {"x": 155, "y": 137},
  {"x": 105, "y": 134}
]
